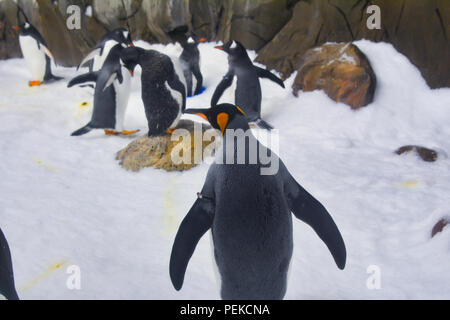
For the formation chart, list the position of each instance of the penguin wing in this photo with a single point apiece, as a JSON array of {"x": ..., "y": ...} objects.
[
  {"x": 175, "y": 82},
  {"x": 87, "y": 77},
  {"x": 7, "y": 287},
  {"x": 196, "y": 223},
  {"x": 223, "y": 85},
  {"x": 263, "y": 73},
  {"x": 90, "y": 56},
  {"x": 309, "y": 210}
]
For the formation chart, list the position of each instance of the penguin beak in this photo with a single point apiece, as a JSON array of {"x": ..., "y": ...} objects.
[
  {"x": 220, "y": 48},
  {"x": 131, "y": 44},
  {"x": 202, "y": 40},
  {"x": 131, "y": 72},
  {"x": 17, "y": 28}
]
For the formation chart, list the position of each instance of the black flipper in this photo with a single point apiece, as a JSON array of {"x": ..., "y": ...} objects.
[
  {"x": 87, "y": 77},
  {"x": 306, "y": 208},
  {"x": 7, "y": 288},
  {"x": 262, "y": 73},
  {"x": 223, "y": 85},
  {"x": 264, "y": 125},
  {"x": 175, "y": 83},
  {"x": 196, "y": 223},
  {"x": 82, "y": 131}
]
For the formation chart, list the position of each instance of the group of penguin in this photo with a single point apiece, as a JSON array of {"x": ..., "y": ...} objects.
[{"x": 249, "y": 214}]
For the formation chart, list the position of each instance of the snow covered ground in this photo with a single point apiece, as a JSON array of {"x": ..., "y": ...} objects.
[{"x": 65, "y": 201}]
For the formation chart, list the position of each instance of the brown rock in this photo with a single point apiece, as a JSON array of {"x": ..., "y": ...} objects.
[
  {"x": 419, "y": 29},
  {"x": 341, "y": 70},
  {"x": 425, "y": 154},
  {"x": 439, "y": 226},
  {"x": 157, "y": 151},
  {"x": 9, "y": 40}
]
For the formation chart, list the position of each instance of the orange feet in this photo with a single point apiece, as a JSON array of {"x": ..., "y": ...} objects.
[
  {"x": 124, "y": 132},
  {"x": 34, "y": 83},
  {"x": 111, "y": 132}
]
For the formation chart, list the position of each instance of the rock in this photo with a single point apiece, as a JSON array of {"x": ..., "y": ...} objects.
[
  {"x": 439, "y": 226},
  {"x": 9, "y": 40},
  {"x": 158, "y": 152},
  {"x": 418, "y": 29},
  {"x": 341, "y": 70},
  {"x": 425, "y": 154}
]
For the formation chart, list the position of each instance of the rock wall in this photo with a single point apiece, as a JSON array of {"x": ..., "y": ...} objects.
[{"x": 281, "y": 30}]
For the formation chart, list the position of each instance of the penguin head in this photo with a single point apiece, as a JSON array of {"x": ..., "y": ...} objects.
[
  {"x": 24, "y": 29},
  {"x": 130, "y": 57},
  {"x": 221, "y": 115},
  {"x": 233, "y": 48},
  {"x": 192, "y": 40},
  {"x": 122, "y": 36}
]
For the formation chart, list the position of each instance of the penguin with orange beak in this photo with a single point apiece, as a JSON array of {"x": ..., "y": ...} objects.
[
  {"x": 190, "y": 62},
  {"x": 36, "y": 54},
  {"x": 249, "y": 215},
  {"x": 7, "y": 288},
  {"x": 248, "y": 89}
]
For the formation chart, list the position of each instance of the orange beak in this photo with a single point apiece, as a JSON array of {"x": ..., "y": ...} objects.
[
  {"x": 17, "y": 28},
  {"x": 203, "y": 116},
  {"x": 202, "y": 40},
  {"x": 131, "y": 44},
  {"x": 131, "y": 72},
  {"x": 220, "y": 48}
]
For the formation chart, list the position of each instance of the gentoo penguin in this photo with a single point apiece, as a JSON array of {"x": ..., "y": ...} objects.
[
  {"x": 248, "y": 88},
  {"x": 112, "y": 91},
  {"x": 249, "y": 215},
  {"x": 36, "y": 54},
  {"x": 190, "y": 62},
  {"x": 163, "y": 88},
  {"x": 102, "y": 48},
  {"x": 7, "y": 288}
]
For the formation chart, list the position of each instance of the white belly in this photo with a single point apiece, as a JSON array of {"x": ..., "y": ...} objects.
[
  {"x": 34, "y": 57},
  {"x": 122, "y": 96}
]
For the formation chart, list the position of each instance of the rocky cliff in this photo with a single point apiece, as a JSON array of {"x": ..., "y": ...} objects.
[{"x": 281, "y": 30}]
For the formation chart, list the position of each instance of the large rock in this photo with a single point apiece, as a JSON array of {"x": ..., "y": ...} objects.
[
  {"x": 417, "y": 28},
  {"x": 163, "y": 152},
  {"x": 9, "y": 41},
  {"x": 341, "y": 70}
]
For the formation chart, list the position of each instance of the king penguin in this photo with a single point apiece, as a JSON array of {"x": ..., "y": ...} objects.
[
  {"x": 248, "y": 89},
  {"x": 163, "y": 88},
  {"x": 101, "y": 51},
  {"x": 7, "y": 288},
  {"x": 36, "y": 54},
  {"x": 249, "y": 215},
  {"x": 190, "y": 62},
  {"x": 112, "y": 91}
]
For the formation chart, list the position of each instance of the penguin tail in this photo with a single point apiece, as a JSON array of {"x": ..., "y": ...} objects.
[
  {"x": 264, "y": 125},
  {"x": 82, "y": 131}
]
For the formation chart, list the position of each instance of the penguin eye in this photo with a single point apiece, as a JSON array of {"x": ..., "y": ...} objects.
[
  {"x": 190, "y": 40},
  {"x": 27, "y": 25}
]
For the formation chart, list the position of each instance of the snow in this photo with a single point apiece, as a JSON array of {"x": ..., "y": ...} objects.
[{"x": 66, "y": 201}]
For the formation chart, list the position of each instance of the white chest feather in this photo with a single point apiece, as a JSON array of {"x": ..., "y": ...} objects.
[
  {"x": 34, "y": 57},
  {"x": 122, "y": 96}
]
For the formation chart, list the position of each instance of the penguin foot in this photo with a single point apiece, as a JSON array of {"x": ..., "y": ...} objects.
[
  {"x": 34, "y": 83},
  {"x": 124, "y": 132},
  {"x": 111, "y": 132}
]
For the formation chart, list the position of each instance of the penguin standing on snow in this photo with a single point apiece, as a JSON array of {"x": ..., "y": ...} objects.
[
  {"x": 163, "y": 88},
  {"x": 7, "y": 288},
  {"x": 249, "y": 215},
  {"x": 36, "y": 54},
  {"x": 104, "y": 46},
  {"x": 248, "y": 89},
  {"x": 112, "y": 91},
  {"x": 190, "y": 62}
]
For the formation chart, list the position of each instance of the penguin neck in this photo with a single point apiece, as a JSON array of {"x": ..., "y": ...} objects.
[{"x": 237, "y": 143}]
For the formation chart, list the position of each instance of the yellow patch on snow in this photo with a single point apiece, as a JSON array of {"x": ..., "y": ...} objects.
[{"x": 47, "y": 273}]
